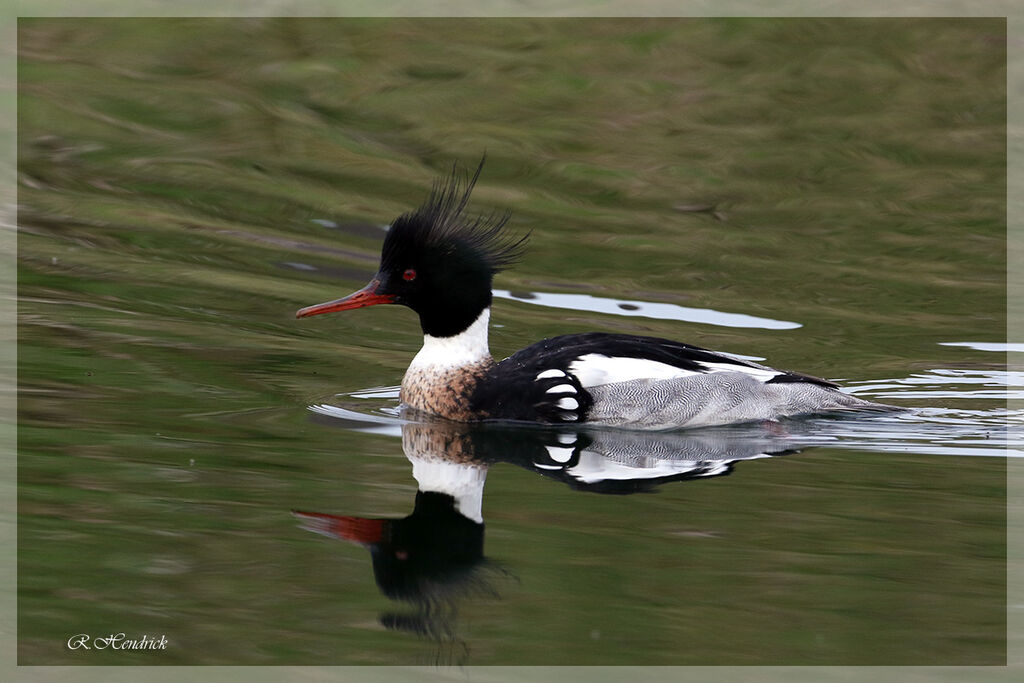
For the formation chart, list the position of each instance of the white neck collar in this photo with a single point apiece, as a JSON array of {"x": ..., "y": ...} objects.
[{"x": 465, "y": 348}]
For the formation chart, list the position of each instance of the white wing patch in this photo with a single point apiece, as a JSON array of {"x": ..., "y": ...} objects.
[
  {"x": 763, "y": 374},
  {"x": 595, "y": 369}
]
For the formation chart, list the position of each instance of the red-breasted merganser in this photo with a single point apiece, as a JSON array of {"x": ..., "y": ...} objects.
[{"x": 440, "y": 263}]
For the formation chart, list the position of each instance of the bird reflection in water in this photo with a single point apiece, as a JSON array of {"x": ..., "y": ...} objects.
[{"x": 433, "y": 559}]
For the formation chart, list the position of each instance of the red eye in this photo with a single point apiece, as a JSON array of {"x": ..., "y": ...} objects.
[{"x": 409, "y": 275}]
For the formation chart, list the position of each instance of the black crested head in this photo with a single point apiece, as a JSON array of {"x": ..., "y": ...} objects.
[
  {"x": 440, "y": 224},
  {"x": 441, "y": 262}
]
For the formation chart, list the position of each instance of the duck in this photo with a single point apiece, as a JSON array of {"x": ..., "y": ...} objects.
[{"x": 440, "y": 261}]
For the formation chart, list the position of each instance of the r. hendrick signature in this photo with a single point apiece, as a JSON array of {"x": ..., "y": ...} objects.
[{"x": 116, "y": 641}]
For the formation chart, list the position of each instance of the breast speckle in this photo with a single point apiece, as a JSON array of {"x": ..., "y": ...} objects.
[{"x": 444, "y": 392}]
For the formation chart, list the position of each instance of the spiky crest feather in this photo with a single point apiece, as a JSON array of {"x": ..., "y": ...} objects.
[{"x": 441, "y": 224}]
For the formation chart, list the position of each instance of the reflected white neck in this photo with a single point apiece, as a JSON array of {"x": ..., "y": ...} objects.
[
  {"x": 466, "y": 348},
  {"x": 461, "y": 481}
]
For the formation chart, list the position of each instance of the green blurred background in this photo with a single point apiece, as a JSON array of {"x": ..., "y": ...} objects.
[{"x": 178, "y": 180}]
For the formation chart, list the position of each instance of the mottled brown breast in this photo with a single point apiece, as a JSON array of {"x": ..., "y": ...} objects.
[{"x": 444, "y": 392}]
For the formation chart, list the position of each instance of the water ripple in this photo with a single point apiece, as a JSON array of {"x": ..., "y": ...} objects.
[{"x": 945, "y": 383}]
